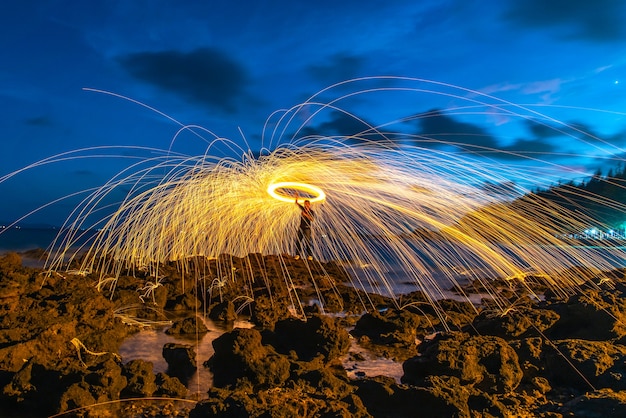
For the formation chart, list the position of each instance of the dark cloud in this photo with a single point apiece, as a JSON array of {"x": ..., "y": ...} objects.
[
  {"x": 352, "y": 130},
  {"x": 205, "y": 76},
  {"x": 439, "y": 130},
  {"x": 341, "y": 67},
  {"x": 436, "y": 129},
  {"x": 542, "y": 130},
  {"x": 39, "y": 121},
  {"x": 523, "y": 148},
  {"x": 575, "y": 130},
  {"x": 598, "y": 20}
]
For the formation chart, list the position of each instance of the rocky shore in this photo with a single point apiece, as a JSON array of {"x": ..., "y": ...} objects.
[{"x": 558, "y": 356}]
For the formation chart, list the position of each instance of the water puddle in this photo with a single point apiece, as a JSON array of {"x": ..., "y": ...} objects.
[
  {"x": 360, "y": 363},
  {"x": 148, "y": 345}
]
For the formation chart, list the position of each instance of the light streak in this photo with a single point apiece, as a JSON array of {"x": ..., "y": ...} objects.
[
  {"x": 414, "y": 212},
  {"x": 315, "y": 194}
]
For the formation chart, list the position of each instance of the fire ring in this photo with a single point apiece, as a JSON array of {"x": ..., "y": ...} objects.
[{"x": 278, "y": 191}]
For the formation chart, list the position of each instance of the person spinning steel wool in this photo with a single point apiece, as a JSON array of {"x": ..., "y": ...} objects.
[{"x": 303, "y": 239}]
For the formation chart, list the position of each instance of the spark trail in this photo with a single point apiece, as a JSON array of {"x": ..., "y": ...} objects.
[{"x": 398, "y": 210}]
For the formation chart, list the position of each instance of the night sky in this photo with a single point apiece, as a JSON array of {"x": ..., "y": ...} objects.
[{"x": 227, "y": 66}]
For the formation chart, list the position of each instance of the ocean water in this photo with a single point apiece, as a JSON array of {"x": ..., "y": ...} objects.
[{"x": 24, "y": 239}]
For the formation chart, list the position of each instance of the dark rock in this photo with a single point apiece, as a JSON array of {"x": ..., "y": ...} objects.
[
  {"x": 318, "y": 336},
  {"x": 170, "y": 387},
  {"x": 223, "y": 311},
  {"x": 585, "y": 365},
  {"x": 392, "y": 333},
  {"x": 383, "y": 397},
  {"x": 240, "y": 356},
  {"x": 140, "y": 378},
  {"x": 183, "y": 302},
  {"x": 34, "y": 390},
  {"x": 484, "y": 362},
  {"x": 277, "y": 402},
  {"x": 594, "y": 315},
  {"x": 515, "y": 323},
  {"x": 267, "y": 311},
  {"x": 181, "y": 360},
  {"x": 604, "y": 403},
  {"x": 106, "y": 378},
  {"x": 76, "y": 396},
  {"x": 188, "y": 326}
]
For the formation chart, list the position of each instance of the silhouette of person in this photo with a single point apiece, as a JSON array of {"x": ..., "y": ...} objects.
[{"x": 303, "y": 239}]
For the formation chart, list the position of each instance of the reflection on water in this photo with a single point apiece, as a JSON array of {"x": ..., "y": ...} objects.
[
  {"x": 148, "y": 345},
  {"x": 369, "y": 365}
]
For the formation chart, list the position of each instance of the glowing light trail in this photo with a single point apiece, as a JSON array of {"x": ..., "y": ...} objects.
[
  {"x": 393, "y": 208},
  {"x": 314, "y": 193}
]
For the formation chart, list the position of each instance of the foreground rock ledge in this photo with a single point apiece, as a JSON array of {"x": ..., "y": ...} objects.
[{"x": 561, "y": 357}]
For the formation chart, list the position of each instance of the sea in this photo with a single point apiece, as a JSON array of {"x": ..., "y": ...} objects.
[
  {"x": 22, "y": 239},
  {"x": 32, "y": 243}
]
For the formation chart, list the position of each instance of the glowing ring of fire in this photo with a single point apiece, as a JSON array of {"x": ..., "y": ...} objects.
[{"x": 317, "y": 193}]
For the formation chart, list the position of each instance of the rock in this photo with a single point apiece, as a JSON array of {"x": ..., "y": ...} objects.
[
  {"x": 106, "y": 378},
  {"x": 515, "y": 323},
  {"x": 593, "y": 315},
  {"x": 10, "y": 261},
  {"x": 585, "y": 365},
  {"x": 318, "y": 336},
  {"x": 76, "y": 396},
  {"x": 484, "y": 362},
  {"x": 223, "y": 311},
  {"x": 181, "y": 360},
  {"x": 183, "y": 302},
  {"x": 276, "y": 402},
  {"x": 604, "y": 403},
  {"x": 266, "y": 312},
  {"x": 188, "y": 326},
  {"x": 392, "y": 333},
  {"x": 170, "y": 387},
  {"x": 240, "y": 356},
  {"x": 383, "y": 397},
  {"x": 140, "y": 378}
]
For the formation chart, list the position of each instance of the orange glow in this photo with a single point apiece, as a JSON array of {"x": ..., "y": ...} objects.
[{"x": 275, "y": 191}]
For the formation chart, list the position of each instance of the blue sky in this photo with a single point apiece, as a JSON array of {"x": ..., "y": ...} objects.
[{"x": 227, "y": 65}]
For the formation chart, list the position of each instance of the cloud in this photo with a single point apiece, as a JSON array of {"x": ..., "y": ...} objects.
[
  {"x": 545, "y": 89},
  {"x": 438, "y": 129},
  {"x": 339, "y": 68},
  {"x": 351, "y": 129},
  {"x": 204, "y": 76},
  {"x": 524, "y": 147},
  {"x": 41, "y": 121},
  {"x": 598, "y": 20}
]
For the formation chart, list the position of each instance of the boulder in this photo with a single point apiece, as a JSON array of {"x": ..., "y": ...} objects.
[
  {"x": 187, "y": 326},
  {"x": 319, "y": 336},
  {"x": 241, "y": 357},
  {"x": 140, "y": 379},
  {"x": 181, "y": 360},
  {"x": 223, "y": 311},
  {"x": 484, "y": 362},
  {"x": 170, "y": 387}
]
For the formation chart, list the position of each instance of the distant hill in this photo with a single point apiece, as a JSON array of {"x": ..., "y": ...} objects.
[
  {"x": 563, "y": 210},
  {"x": 602, "y": 198}
]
